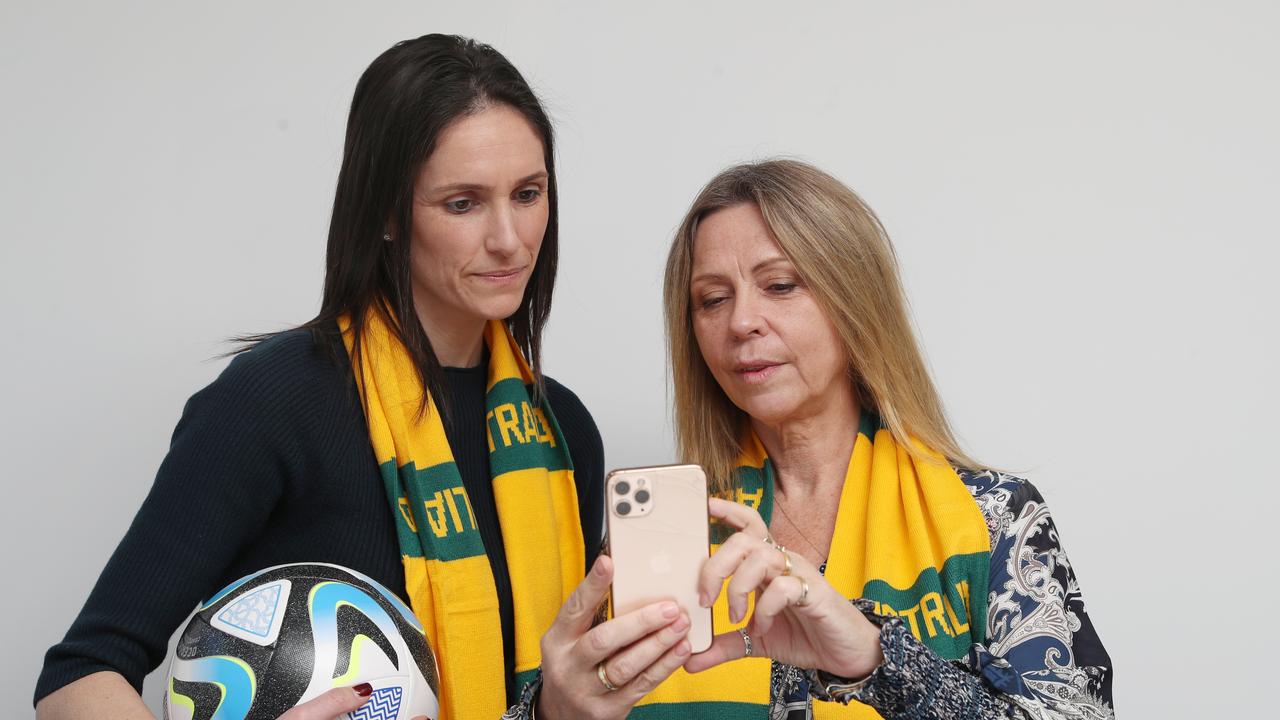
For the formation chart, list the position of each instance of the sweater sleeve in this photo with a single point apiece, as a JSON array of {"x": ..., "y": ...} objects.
[
  {"x": 1041, "y": 658},
  {"x": 213, "y": 493}
]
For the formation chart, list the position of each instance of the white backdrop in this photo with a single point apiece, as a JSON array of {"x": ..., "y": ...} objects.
[{"x": 1082, "y": 196}]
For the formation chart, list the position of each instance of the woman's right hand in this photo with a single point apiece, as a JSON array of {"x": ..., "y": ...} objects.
[
  {"x": 333, "y": 704},
  {"x": 636, "y": 651}
]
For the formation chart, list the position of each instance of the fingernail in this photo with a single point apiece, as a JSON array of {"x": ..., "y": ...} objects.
[
  {"x": 683, "y": 648},
  {"x": 702, "y": 600},
  {"x": 670, "y": 610},
  {"x": 363, "y": 689},
  {"x": 681, "y": 624},
  {"x": 598, "y": 568}
]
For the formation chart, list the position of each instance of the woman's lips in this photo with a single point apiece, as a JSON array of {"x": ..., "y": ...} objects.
[
  {"x": 757, "y": 372},
  {"x": 501, "y": 276}
]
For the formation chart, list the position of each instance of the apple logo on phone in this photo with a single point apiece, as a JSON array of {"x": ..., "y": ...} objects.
[{"x": 660, "y": 563}]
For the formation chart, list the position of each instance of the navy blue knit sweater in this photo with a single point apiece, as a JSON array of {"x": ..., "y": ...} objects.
[{"x": 271, "y": 464}]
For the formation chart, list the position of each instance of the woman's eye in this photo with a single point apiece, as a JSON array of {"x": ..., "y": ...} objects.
[
  {"x": 782, "y": 288},
  {"x": 529, "y": 195},
  {"x": 459, "y": 206},
  {"x": 710, "y": 302}
]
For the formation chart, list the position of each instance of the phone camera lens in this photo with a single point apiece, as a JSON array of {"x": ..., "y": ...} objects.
[
  {"x": 642, "y": 496},
  {"x": 623, "y": 507},
  {"x": 622, "y": 488}
]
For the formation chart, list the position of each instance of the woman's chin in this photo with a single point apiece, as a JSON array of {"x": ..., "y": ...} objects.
[
  {"x": 768, "y": 410},
  {"x": 498, "y": 308}
]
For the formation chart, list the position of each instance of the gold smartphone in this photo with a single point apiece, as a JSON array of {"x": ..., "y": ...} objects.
[{"x": 659, "y": 538}]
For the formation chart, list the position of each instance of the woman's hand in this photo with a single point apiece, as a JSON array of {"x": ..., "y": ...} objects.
[
  {"x": 632, "y": 652},
  {"x": 333, "y": 704},
  {"x": 799, "y": 618}
]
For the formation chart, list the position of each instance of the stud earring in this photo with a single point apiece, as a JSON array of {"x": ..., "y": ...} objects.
[{"x": 386, "y": 237}]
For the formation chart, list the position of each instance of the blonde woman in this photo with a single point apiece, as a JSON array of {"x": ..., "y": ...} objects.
[{"x": 801, "y": 390}]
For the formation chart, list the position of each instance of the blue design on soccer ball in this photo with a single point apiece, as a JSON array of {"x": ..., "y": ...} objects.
[
  {"x": 254, "y": 612},
  {"x": 384, "y": 704},
  {"x": 327, "y": 597},
  {"x": 396, "y": 602},
  {"x": 233, "y": 678}
]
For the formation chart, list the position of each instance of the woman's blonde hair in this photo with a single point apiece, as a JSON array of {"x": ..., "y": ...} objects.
[{"x": 843, "y": 255}]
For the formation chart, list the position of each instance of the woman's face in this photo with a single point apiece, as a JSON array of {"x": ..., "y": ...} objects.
[
  {"x": 760, "y": 330},
  {"x": 480, "y": 210}
]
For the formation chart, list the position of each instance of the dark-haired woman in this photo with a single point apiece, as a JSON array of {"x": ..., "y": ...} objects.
[{"x": 478, "y": 501}]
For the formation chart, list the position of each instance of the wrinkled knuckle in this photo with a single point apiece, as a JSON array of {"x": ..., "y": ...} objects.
[
  {"x": 552, "y": 647},
  {"x": 648, "y": 679},
  {"x": 619, "y": 670},
  {"x": 573, "y": 606},
  {"x": 597, "y": 642}
]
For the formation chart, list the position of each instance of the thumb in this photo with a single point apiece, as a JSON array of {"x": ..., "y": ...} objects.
[{"x": 331, "y": 704}]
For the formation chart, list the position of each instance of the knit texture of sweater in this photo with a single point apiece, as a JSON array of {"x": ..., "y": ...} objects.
[{"x": 272, "y": 464}]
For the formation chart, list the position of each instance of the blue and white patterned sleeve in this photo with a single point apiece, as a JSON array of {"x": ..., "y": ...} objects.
[
  {"x": 1041, "y": 650},
  {"x": 1041, "y": 659}
]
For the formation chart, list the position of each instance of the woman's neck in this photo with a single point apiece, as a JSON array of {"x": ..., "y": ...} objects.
[
  {"x": 810, "y": 455},
  {"x": 457, "y": 342}
]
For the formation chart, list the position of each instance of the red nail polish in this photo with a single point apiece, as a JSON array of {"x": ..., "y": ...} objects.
[{"x": 363, "y": 689}]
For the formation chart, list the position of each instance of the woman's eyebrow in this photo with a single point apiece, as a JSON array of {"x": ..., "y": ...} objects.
[
  {"x": 706, "y": 277},
  {"x": 758, "y": 267},
  {"x": 475, "y": 187},
  {"x": 770, "y": 262}
]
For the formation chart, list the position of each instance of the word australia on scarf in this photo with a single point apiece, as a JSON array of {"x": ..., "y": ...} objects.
[{"x": 517, "y": 433}]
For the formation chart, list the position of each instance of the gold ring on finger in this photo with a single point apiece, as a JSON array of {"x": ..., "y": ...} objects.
[
  {"x": 804, "y": 594},
  {"x": 604, "y": 678},
  {"x": 786, "y": 559},
  {"x": 746, "y": 642}
]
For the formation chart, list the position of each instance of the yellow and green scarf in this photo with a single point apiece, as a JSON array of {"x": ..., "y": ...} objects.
[
  {"x": 447, "y": 573},
  {"x": 908, "y": 536}
]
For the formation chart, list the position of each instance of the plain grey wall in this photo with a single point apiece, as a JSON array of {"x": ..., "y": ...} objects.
[{"x": 1082, "y": 195}]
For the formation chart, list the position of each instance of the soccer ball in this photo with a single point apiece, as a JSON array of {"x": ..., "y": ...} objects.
[{"x": 286, "y": 634}]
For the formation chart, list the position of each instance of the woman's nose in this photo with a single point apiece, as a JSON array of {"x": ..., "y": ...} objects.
[
  {"x": 747, "y": 317},
  {"x": 503, "y": 238}
]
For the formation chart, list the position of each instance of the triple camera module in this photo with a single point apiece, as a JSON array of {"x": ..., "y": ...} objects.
[{"x": 631, "y": 497}]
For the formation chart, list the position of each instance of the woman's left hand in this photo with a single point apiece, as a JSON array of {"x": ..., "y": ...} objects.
[{"x": 799, "y": 618}]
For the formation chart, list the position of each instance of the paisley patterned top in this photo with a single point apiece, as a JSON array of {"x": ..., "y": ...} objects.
[{"x": 1042, "y": 659}]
